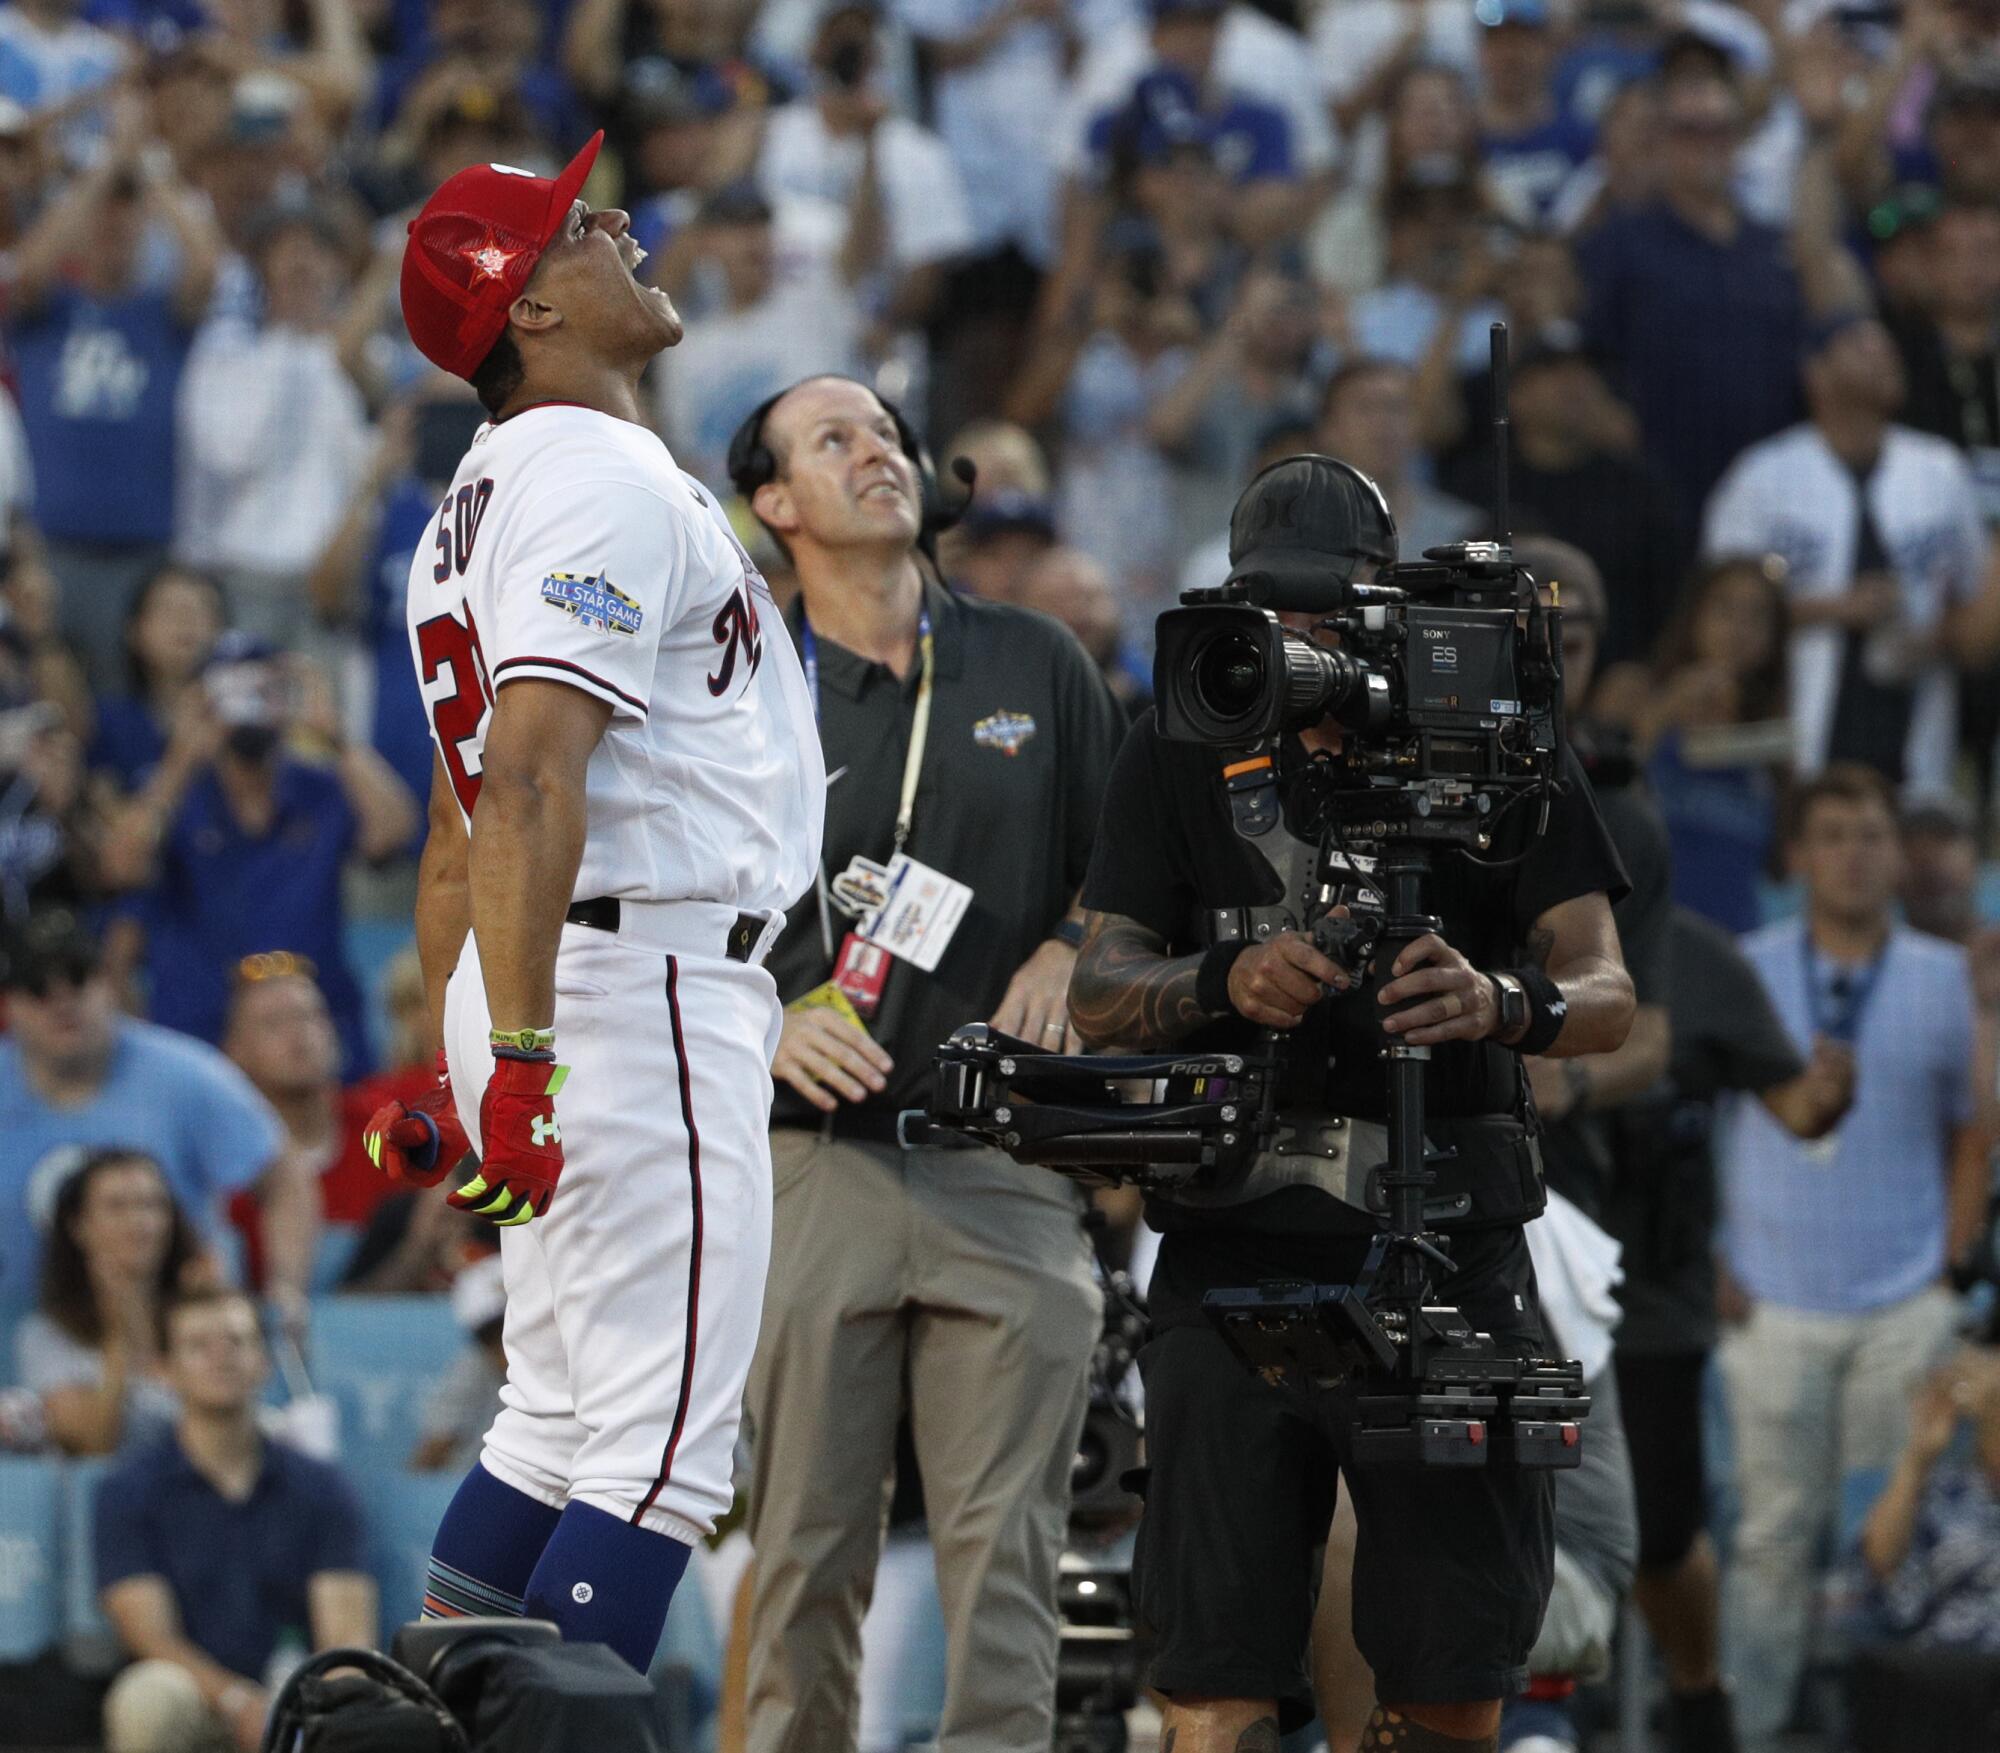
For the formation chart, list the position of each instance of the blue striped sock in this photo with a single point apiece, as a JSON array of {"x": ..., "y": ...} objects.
[{"x": 486, "y": 1549}]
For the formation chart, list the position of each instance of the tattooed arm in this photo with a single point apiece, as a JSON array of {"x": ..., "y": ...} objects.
[{"x": 1128, "y": 992}]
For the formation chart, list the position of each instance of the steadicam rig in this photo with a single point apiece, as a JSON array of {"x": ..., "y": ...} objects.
[
  {"x": 1161, "y": 1120},
  {"x": 1445, "y": 678}
]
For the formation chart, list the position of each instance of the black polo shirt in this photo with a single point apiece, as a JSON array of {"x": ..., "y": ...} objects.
[{"x": 1022, "y": 735}]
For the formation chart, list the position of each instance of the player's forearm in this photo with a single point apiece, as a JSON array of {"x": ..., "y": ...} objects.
[
  {"x": 1125, "y": 993},
  {"x": 527, "y": 842},
  {"x": 444, "y": 910}
]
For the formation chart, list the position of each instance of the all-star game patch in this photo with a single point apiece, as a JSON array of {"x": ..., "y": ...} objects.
[
  {"x": 1005, "y": 731},
  {"x": 594, "y": 601}
]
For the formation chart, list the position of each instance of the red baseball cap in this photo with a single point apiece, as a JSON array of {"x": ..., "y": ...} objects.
[{"x": 472, "y": 249}]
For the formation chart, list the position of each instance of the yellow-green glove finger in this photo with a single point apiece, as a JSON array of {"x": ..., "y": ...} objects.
[
  {"x": 525, "y": 1215},
  {"x": 496, "y": 1205}
]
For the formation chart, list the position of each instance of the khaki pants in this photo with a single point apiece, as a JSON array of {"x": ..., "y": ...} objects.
[
  {"x": 155, "y": 1707},
  {"x": 1812, "y": 1398},
  {"x": 967, "y": 1277}
]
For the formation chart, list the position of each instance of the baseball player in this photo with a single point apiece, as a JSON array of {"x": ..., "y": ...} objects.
[{"x": 627, "y": 794}]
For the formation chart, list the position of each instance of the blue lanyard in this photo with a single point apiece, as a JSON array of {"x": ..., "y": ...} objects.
[
  {"x": 1840, "y": 1020},
  {"x": 809, "y": 650}
]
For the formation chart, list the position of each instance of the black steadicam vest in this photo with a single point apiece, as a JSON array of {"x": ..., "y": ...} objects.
[{"x": 1491, "y": 1173}]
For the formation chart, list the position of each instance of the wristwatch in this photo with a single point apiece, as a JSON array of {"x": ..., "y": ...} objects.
[
  {"x": 1512, "y": 998},
  {"x": 524, "y": 1040}
]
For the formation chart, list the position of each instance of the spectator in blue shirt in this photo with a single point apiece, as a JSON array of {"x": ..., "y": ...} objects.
[
  {"x": 1699, "y": 312},
  {"x": 214, "y": 1543},
  {"x": 1530, "y": 148},
  {"x": 1834, "y": 1252},
  {"x": 251, "y": 857},
  {"x": 363, "y": 573},
  {"x": 76, "y": 1076},
  {"x": 99, "y": 352},
  {"x": 171, "y": 627}
]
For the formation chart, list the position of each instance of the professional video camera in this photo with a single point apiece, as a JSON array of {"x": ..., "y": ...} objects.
[{"x": 1447, "y": 678}]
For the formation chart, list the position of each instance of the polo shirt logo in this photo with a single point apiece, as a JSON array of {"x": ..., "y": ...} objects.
[{"x": 1005, "y": 731}]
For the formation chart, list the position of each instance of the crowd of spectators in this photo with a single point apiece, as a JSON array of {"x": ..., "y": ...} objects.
[{"x": 1121, "y": 254}]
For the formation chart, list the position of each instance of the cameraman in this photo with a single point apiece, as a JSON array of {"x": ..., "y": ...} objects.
[{"x": 1453, "y": 1569}]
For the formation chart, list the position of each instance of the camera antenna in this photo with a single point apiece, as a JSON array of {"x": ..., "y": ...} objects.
[{"x": 1502, "y": 533}]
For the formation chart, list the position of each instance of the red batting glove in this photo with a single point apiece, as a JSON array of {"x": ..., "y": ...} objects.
[
  {"x": 523, "y": 1145},
  {"x": 417, "y": 1145}
]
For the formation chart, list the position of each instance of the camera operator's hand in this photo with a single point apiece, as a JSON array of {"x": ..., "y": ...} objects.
[
  {"x": 1276, "y": 983},
  {"x": 828, "y": 1059},
  {"x": 1458, "y": 1002}
]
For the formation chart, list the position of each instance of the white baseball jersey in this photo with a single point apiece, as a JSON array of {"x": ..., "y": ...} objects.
[
  {"x": 571, "y": 548},
  {"x": 1792, "y": 496}
]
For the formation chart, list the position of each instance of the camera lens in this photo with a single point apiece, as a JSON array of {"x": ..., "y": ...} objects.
[{"x": 1229, "y": 676}]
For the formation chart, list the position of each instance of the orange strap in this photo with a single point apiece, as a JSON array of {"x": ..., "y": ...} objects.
[{"x": 1250, "y": 766}]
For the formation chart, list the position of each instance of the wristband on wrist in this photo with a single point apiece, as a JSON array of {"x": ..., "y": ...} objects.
[
  {"x": 523, "y": 1041},
  {"x": 1548, "y": 1010},
  {"x": 1211, "y": 980}
]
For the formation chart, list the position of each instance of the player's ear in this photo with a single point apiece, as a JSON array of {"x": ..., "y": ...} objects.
[
  {"x": 533, "y": 315},
  {"x": 772, "y": 503}
]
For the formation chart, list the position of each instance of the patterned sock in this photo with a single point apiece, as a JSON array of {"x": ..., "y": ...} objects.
[
  {"x": 486, "y": 1549},
  {"x": 604, "y": 1581}
]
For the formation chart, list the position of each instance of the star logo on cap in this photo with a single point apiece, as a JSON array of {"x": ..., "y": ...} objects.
[{"x": 489, "y": 261}]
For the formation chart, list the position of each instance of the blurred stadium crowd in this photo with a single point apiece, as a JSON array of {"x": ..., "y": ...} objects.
[{"x": 1119, "y": 253}]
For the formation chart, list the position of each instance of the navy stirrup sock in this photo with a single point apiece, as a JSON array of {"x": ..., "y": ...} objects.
[
  {"x": 486, "y": 1549},
  {"x": 604, "y": 1581}
]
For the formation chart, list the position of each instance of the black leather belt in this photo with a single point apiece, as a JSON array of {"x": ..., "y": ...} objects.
[{"x": 603, "y": 912}]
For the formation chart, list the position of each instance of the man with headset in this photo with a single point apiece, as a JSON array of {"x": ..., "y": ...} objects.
[{"x": 967, "y": 746}]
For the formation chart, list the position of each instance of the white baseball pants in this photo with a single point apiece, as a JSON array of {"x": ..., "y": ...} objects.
[{"x": 633, "y": 1301}]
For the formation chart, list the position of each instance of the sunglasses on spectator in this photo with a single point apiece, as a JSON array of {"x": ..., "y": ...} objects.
[{"x": 275, "y": 965}]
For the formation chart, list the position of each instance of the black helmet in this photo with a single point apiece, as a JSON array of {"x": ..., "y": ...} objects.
[{"x": 1302, "y": 527}]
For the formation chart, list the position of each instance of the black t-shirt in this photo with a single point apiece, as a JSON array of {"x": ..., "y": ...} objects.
[
  {"x": 1022, "y": 733},
  {"x": 1577, "y": 1149},
  {"x": 1168, "y": 852},
  {"x": 1661, "y": 1206}
]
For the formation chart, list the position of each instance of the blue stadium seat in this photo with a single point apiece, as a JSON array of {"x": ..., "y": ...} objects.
[
  {"x": 379, "y": 1357},
  {"x": 30, "y": 1556},
  {"x": 403, "y": 1511}
]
